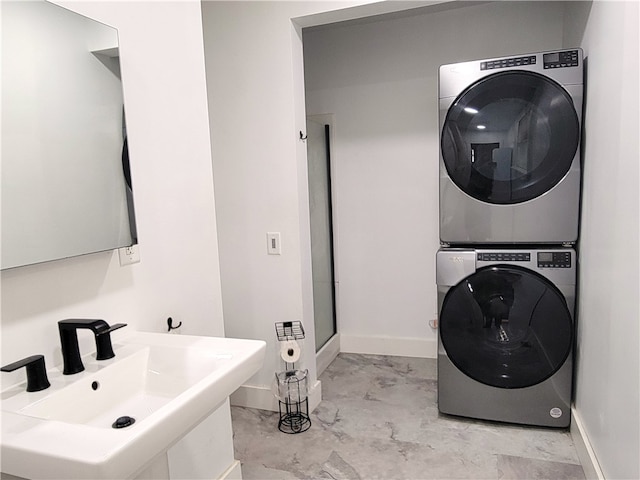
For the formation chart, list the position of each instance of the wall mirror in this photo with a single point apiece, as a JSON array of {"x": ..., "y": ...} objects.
[{"x": 64, "y": 189}]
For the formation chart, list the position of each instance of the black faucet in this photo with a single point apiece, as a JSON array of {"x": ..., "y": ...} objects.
[
  {"x": 36, "y": 372},
  {"x": 69, "y": 341}
]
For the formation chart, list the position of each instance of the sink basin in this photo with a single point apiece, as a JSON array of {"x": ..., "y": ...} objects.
[{"x": 166, "y": 383}]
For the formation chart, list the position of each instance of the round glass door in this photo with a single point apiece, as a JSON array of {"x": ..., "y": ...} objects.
[
  {"x": 507, "y": 327},
  {"x": 510, "y": 137}
]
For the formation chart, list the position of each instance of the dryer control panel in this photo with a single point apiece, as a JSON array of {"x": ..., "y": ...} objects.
[
  {"x": 568, "y": 58},
  {"x": 508, "y": 62},
  {"x": 554, "y": 260}
]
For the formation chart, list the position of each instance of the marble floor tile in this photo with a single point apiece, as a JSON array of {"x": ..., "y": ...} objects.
[
  {"x": 379, "y": 420},
  {"x": 258, "y": 471},
  {"x": 517, "y": 467}
]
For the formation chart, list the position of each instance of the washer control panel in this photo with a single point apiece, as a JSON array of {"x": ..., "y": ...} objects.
[
  {"x": 544, "y": 259},
  {"x": 504, "y": 257},
  {"x": 554, "y": 260}
]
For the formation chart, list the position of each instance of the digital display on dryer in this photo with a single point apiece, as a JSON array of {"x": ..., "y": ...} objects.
[
  {"x": 560, "y": 59},
  {"x": 552, "y": 57}
]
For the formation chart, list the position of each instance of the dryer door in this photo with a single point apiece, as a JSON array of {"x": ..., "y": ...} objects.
[
  {"x": 510, "y": 137},
  {"x": 506, "y": 327}
]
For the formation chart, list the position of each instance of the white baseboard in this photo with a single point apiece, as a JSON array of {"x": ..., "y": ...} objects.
[
  {"x": 234, "y": 472},
  {"x": 327, "y": 353},
  {"x": 395, "y": 346},
  {"x": 588, "y": 460},
  {"x": 262, "y": 397}
]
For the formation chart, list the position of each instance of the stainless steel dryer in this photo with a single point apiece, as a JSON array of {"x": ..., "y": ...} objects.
[
  {"x": 509, "y": 149},
  {"x": 506, "y": 332}
]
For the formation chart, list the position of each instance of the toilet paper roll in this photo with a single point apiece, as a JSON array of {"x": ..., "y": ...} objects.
[{"x": 290, "y": 351}]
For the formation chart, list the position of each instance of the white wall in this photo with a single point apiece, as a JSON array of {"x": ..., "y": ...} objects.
[
  {"x": 379, "y": 79},
  {"x": 255, "y": 170},
  {"x": 607, "y": 398},
  {"x": 162, "y": 65},
  {"x": 257, "y": 110}
]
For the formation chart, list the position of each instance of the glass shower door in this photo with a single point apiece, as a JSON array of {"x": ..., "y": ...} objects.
[{"x": 319, "y": 172}]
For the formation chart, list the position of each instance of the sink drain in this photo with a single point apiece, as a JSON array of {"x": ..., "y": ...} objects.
[{"x": 123, "y": 422}]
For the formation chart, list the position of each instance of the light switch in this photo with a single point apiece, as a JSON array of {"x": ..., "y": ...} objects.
[{"x": 273, "y": 243}]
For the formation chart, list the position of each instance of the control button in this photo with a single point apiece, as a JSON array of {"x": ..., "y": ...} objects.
[
  {"x": 508, "y": 62},
  {"x": 557, "y": 260},
  {"x": 504, "y": 257}
]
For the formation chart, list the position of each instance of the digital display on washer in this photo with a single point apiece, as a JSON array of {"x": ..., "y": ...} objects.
[
  {"x": 545, "y": 257},
  {"x": 554, "y": 259}
]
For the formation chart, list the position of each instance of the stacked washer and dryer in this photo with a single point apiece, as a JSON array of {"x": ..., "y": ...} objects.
[{"x": 509, "y": 210}]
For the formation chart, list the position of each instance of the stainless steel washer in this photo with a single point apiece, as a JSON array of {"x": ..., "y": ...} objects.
[
  {"x": 506, "y": 330},
  {"x": 509, "y": 149}
]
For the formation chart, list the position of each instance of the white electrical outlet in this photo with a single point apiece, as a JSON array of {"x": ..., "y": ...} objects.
[
  {"x": 129, "y": 255},
  {"x": 273, "y": 243}
]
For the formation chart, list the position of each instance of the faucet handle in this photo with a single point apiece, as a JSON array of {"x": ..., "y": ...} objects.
[
  {"x": 111, "y": 329},
  {"x": 36, "y": 372},
  {"x": 104, "y": 350}
]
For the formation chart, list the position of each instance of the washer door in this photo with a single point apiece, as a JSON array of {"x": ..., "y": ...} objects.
[
  {"x": 506, "y": 327},
  {"x": 510, "y": 137}
]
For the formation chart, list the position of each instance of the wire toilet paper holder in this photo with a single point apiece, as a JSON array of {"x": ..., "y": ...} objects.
[{"x": 291, "y": 385}]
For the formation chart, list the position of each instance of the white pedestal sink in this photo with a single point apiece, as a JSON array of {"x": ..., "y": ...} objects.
[{"x": 166, "y": 383}]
